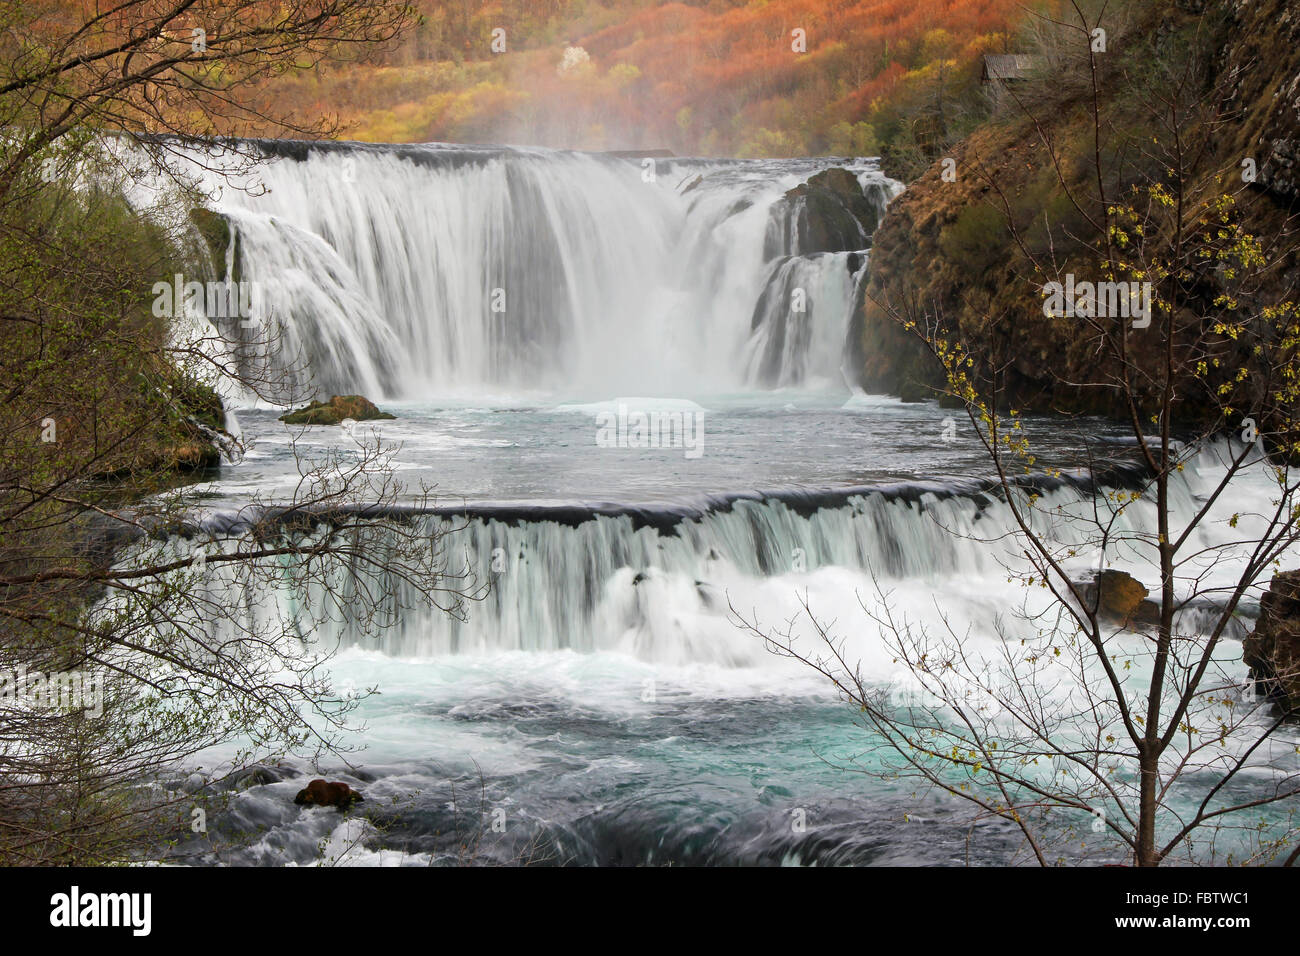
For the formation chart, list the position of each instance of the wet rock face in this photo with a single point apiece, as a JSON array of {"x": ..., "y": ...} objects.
[
  {"x": 335, "y": 411},
  {"x": 1272, "y": 652},
  {"x": 828, "y": 213},
  {"x": 260, "y": 775}
]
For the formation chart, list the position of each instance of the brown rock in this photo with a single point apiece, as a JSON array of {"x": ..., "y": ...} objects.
[
  {"x": 356, "y": 407},
  {"x": 1272, "y": 651},
  {"x": 318, "y": 793},
  {"x": 1119, "y": 596}
]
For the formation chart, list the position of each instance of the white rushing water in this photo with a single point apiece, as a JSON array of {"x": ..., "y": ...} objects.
[
  {"x": 659, "y": 583},
  {"x": 401, "y": 273},
  {"x": 501, "y": 300},
  {"x": 543, "y": 686}
]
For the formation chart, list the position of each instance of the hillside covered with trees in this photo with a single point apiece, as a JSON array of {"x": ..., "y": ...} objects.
[
  {"x": 1187, "y": 99},
  {"x": 718, "y": 78}
]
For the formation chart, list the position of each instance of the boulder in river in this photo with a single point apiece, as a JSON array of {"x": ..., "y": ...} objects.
[
  {"x": 339, "y": 407},
  {"x": 1118, "y": 596},
  {"x": 319, "y": 793},
  {"x": 259, "y": 775},
  {"x": 1272, "y": 651}
]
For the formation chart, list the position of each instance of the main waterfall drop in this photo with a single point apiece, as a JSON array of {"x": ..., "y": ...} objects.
[{"x": 402, "y": 272}]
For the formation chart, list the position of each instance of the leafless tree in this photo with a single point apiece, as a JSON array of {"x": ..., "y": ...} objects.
[
  {"x": 1091, "y": 705},
  {"x": 198, "y": 628}
]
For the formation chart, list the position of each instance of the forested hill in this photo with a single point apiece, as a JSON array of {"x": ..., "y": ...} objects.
[{"x": 775, "y": 78}]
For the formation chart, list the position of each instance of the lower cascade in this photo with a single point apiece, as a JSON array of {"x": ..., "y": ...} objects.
[{"x": 666, "y": 584}]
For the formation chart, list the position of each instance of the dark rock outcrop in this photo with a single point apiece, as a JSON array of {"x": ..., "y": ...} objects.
[
  {"x": 1272, "y": 651},
  {"x": 259, "y": 775},
  {"x": 319, "y": 793},
  {"x": 339, "y": 407},
  {"x": 828, "y": 213}
]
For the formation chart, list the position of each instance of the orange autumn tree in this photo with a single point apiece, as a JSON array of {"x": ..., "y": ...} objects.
[{"x": 789, "y": 77}]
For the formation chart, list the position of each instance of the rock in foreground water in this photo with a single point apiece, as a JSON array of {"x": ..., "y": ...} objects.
[
  {"x": 1118, "y": 596},
  {"x": 319, "y": 793},
  {"x": 339, "y": 407}
]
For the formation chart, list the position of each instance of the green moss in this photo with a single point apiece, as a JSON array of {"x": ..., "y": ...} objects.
[
  {"x": 217, "y": 235},
  {"x": 339, "y": 407},
  {"x": 976, "y": 240}
]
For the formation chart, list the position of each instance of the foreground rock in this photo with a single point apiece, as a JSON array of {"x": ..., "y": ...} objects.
[
  {"x": 318, "y": 793},
  {"x": 1272, "y": 652},
  {"x": 1119, "y": 596},
  {"x": 339, "y": 407},
  {"x": 260, "y": 775}
]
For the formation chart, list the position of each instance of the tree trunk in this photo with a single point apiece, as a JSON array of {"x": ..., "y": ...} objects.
[{"x": 1145, "y": 854}]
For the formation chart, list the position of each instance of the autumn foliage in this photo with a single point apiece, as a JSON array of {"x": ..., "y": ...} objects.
[{"x": 781, "y": 77}]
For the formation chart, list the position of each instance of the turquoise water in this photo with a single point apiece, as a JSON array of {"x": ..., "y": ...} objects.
[{"x": 603, "y": 705}]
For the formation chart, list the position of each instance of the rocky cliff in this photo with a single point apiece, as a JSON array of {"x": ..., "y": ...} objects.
[
  {"x": 1272, "y": 651},
  {"x": 952, "y": 248}
]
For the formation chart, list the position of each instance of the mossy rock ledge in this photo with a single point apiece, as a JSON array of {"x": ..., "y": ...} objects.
[{"x": 339, "y": 407}]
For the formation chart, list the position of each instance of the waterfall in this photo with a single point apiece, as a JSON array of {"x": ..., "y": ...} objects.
[
  {"x": 604, "y": 685},
  {"x": 792, "y": 337},
  {"x": 402, "y": 272},
  {"x": 663, "y": 583}
]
